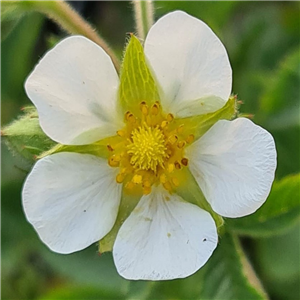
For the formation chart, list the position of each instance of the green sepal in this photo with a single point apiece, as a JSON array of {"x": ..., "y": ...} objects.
[
  {"x": 200, "y": 124},
  {"x": 280, "y": 212},
  {"x": 190, "y": 191},
  {"x": 25, "y": 136},
  {"x": 229, "y": 270},
  {"x": 127, "y": 205},
  {"x": 97, "y": 149},
  {"x": 136, "y": 81}
]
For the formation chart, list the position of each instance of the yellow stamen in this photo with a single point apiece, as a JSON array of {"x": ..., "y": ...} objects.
[
  {"x": 146, "y": 190},
  {"x": 173, "y": 139},
  {"x": 175, "y": 181},
  {"x": 137, "y": 179},
  {"x": 155, "y": 108},
  {"x": 181, "y": 144},
  {"x": 171, "y": 168},
  {"x": 121, "y": 133},
  {"x": 110, "y": 148},
  {"x": 164, "y": 124},
  {"x": 167, "y": 186},
  {"x": 185, "y": 161},
  {"x": 147, "y": 149},
  {"x": 177, "y": 165},
  {"x": 163, "y": 178},
  {"x": 190, "y": 138},
  {"x": 120, "y": 178},
  {"x": 180, "y": 128},
  {"x": 170, "y": 117},
  {"x": 144, "y": 108}
]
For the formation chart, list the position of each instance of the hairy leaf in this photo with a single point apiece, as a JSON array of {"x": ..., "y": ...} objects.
[{"x": 25, "y": 136}]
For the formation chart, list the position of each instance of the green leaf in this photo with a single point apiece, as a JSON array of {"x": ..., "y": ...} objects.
[
  {"x": 11, "y": 13},
  {"x": 81, "y": 292},
  {"x": 280, "y": 85},
  {"x": 278, "y": 262},
  {"x": 25, "y": 136},
  {"x": 228, "y": 274},
  {"x": 10, "y": 16},
  {"x": 136, "y": 82},
  {"x": 279, "y": 213}
]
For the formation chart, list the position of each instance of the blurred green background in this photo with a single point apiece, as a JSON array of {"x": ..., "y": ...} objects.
[{"x": 262, "y": 40}]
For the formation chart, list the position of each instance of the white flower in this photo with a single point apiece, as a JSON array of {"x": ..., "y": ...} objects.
[{"x": 72, "y": 199}]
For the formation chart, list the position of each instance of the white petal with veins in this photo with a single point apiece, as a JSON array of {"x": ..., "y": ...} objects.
[
  {"x": 164, "y": 238},
  {"x": 189, "y": 62},
  {"x": 72, "y": 200},
  {"x": 74, "y": 88},
  {"x": 234, "y": 164}
]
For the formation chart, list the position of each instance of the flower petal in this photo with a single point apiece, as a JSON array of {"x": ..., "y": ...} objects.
[
  {"x": 189, "y": 62},
  {"x": 71, "y": 200},
  {"x": 164, "y": 238},
  {"x": 234, "y": 164},
  {"x": 74, "y": 88}
]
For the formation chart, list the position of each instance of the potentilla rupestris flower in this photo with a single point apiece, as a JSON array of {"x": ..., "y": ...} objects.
[{"x": 139, "y": 150}]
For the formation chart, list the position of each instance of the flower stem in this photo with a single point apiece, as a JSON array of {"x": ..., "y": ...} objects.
[
  {"x": 144, "y": 17},
  {"x": 72, "y": 22}
]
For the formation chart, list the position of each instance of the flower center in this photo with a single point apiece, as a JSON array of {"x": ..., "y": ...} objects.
[{"x": 147, "y": 148}]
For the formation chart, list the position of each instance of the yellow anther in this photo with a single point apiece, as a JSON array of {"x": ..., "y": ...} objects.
[
  {"x": 110, "y": 148},
  {"x": 155, "y": 108},
  {"x": 121, "y": 133},
  {"x": 112, "y": 162},
  {"x": 147, "y": 183},
  {"x": 167, "y": 186},
  {"x": 120, "y": 178},
  {"x": 173, "y": 139},
  {"x": 190, "y": 138},
  {"x": 130, "y": 185},
  {"x": 163, "y": 178},
  {"x": 116, "y": 158},
  {"x": 171, "y": 168},
  {"x": 164, "y": 124},
  {"x": 149, "y": 149},
  {"x": 146, "y": 190},
  {"x": 137, "y": 179},
  {"x": 177, "y": 165},
  {"x": 123, "y": 170},
  {"x": 144, "y": 108},
  {"x": 185, "y": 161},
  {"x": 175, "y": 181},
  {"x": 170, "y": 117},
  {"x": 131, "y": 118},
  {"x": 180, "y": 128},
  {"x": 127, "y": 114},
  {"x": 169, "y": 152},
  {"x": 181, "y": 144}
]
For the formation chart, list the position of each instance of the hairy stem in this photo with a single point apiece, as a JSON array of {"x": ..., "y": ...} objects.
[
  {"x": 144, "y": 17},
  {"x": 72, "y": 22}
]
